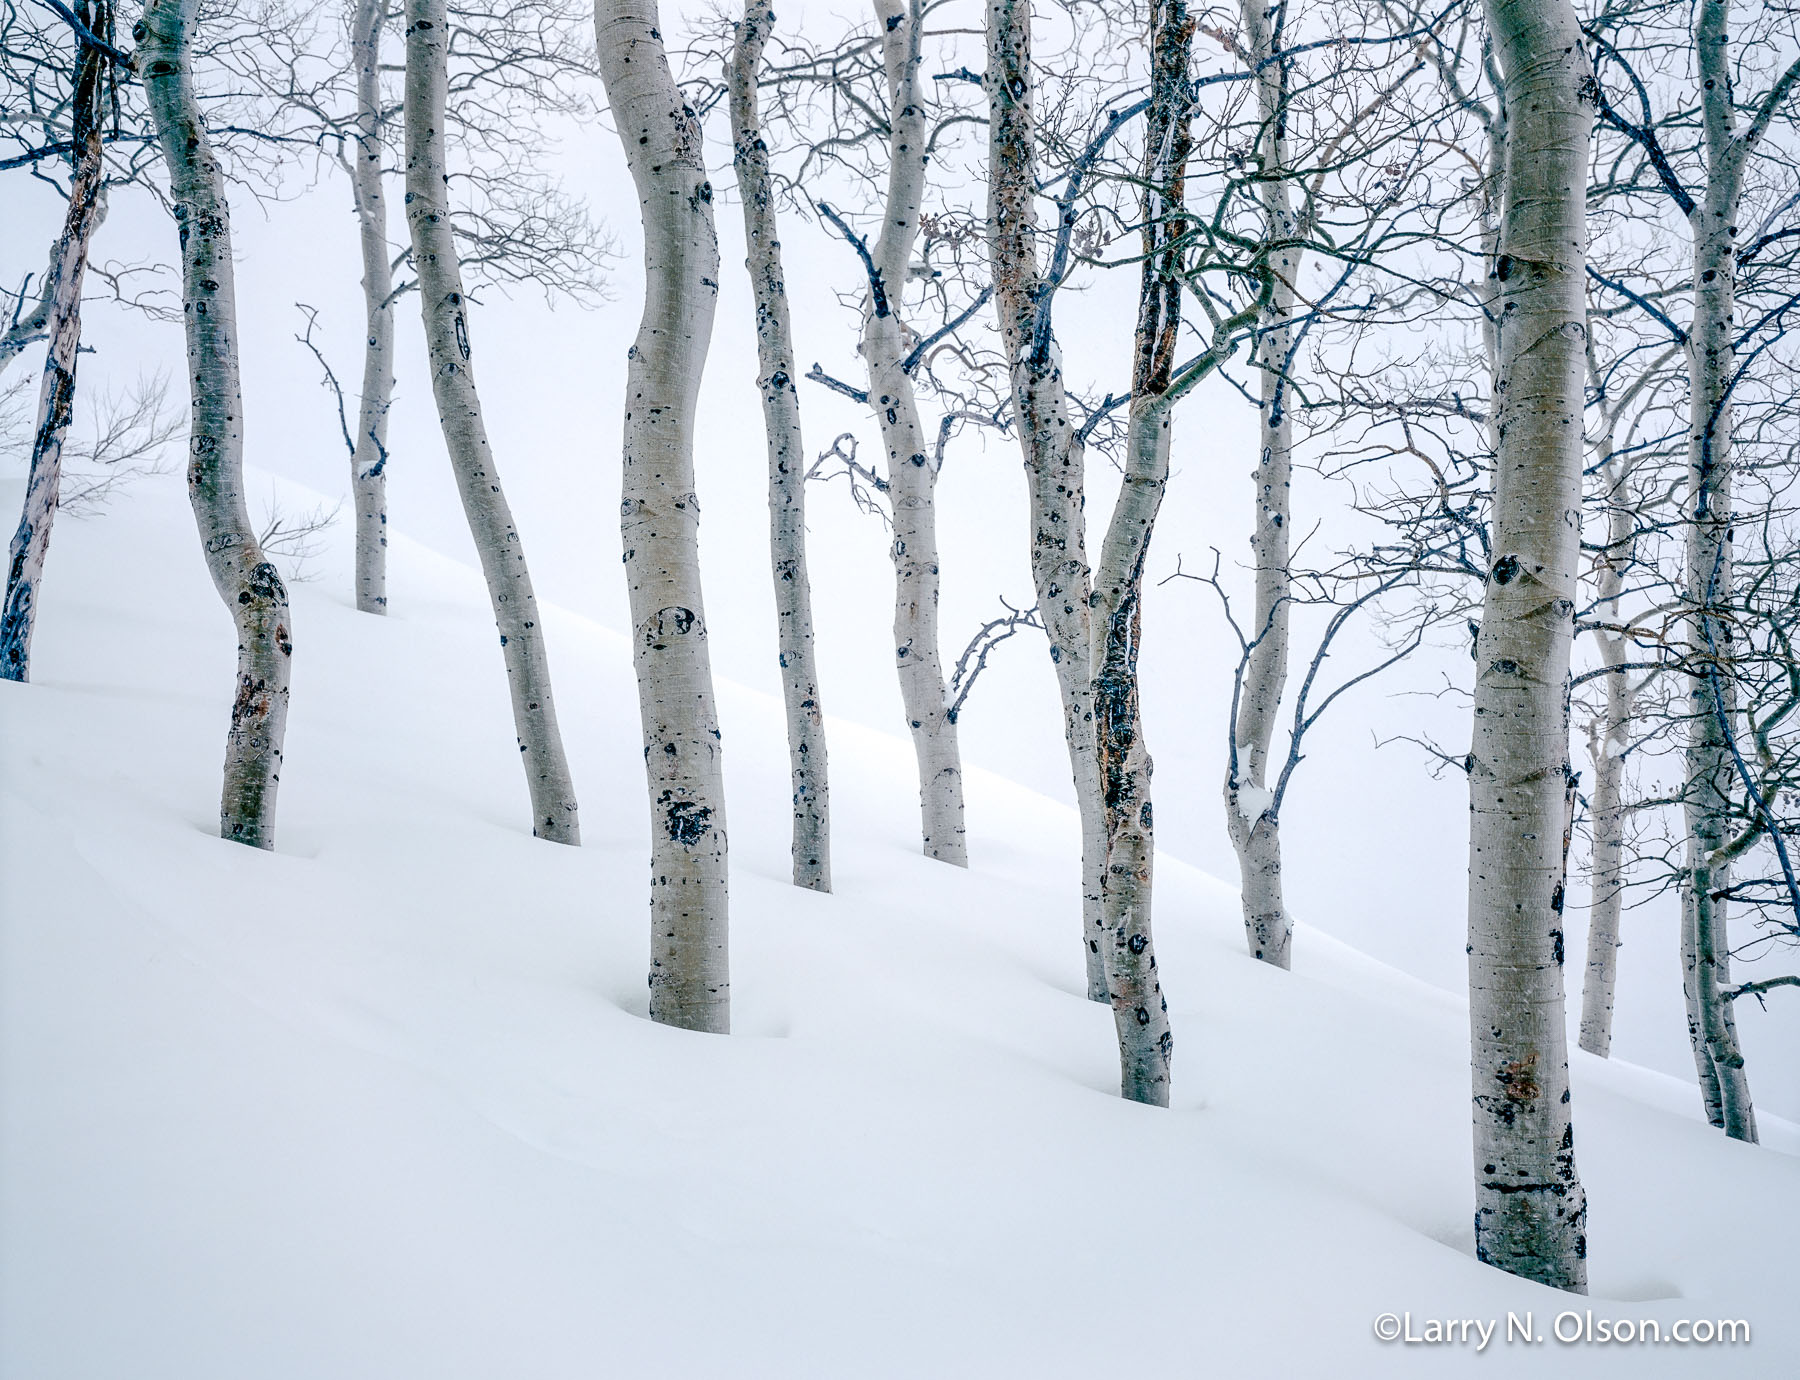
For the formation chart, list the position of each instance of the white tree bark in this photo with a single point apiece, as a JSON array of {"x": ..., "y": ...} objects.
[
  {"x": 912, "y": 480},
  {"x": 368, "y": 463},
  {"x": 1530, "y": 1209},
  {"x": 56, "y": 392},
  {"x": 1609, "y": 735},
  {"x": 1606, "y": 748},
  {"x": 1054, "y": 462},
  {"x": 1250, "y": 817},
  {"x": 1140, "y": 1013},
  {"x": 248, "y": 583},
  {"x": 1706, "y": 947},
  {"x": 497, "y": 540},
  {"x": 811, "y": 846},
  {"x": 689, "y": 971}
]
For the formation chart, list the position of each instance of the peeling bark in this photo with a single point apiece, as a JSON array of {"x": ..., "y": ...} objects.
[
  {"x": 61, "y": 315},
  {"x": 248, "y": 583},
  {"x": 1054, "y": 461},
  {"x": 1530, "y": 1209},
  {"x": 368, "y": 462},
  {"x": 811, "y": 846},
  {"x": 553, "y": 809},
  {"x": 33, "y": 324},
  {"x": 689, "y": 972},
  {"x": 912, "y": 478}
]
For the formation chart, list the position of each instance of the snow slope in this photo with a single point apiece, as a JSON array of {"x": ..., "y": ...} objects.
[{"x": 385, "y": 1103}]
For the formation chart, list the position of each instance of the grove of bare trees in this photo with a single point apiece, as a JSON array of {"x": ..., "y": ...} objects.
[{"x": 1494, "y": 304}]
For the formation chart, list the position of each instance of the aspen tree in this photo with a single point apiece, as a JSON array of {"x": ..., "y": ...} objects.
[
  {"x": 1616, "y": 463},
  {"x": 368, "y": 163},
  {"x": 1250, "y": 816},
  {"x": 1712, "y": 368},
  {"x": 1051, "y": 442},
  {"x": 447, "y": 337},
  {"x": 248, "y": 583},
  {"x": 1530, "y": 1210},
  {"x": 659, "y": 516},
  {"x": 1607, "y": 742},
  {"x": 811, "y": 847},
  {"x": 61, "y": 319},
  {"x": 911, "y": 476},
  {"x": 1140, "y": 1012}
]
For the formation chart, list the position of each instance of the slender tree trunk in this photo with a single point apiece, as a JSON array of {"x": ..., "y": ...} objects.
[
  {"x": 689, "y": 974},
  {"x": 248, "y": 583},
  {"x": 787, "y": 461},
  {"x": 912, "y": 478},
  {"x": 1607, "y": 745},
  {"x": 497, "y": 541},
  {"x": 1610, "y": 733},
  {"x": 56, "y": 393},
  {"x": 1530, "y": 1210},
  {"x": 1140, "y": 1013},
  {"x": 1054, "y": 460},
  {"x": 1251, "y": 821},
  {"x": 1707, "y": 798},
  {"x": 368, "y": 465}
]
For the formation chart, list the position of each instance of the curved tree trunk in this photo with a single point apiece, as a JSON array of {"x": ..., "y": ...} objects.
[
  {"x": 1707, "y": 798},
  {"x": 689, "y": 972},
  {"x": 368, "y": 463},
  {"x": 1250, "y": 817},
  {"x": 1530, "y": 1210},
  {"x": 497, "y": 541},
  {"x": 1054, "y": 460},
  {"x": 247, "y": 582},
  {"x": 787, "y": 461},
  {"x": 912, "y": 479},
  {"x": 1140, "y": 1013},
  {"x": 56, "y": 392}
]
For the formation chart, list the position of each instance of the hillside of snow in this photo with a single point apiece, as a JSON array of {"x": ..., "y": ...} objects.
[{"x": 385, "y": 1102}]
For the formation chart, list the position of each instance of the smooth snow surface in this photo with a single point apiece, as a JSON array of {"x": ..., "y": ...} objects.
[{"x": 384, "y": 1103}]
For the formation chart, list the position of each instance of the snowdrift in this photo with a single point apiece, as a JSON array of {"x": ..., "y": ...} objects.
[{"x": 385, "y": 1102}]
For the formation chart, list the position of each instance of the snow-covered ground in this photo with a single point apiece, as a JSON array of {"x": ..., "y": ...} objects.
[{"x": 385, "y": 1103}]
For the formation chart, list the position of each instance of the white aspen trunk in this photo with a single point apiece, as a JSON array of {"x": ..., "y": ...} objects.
[
  {"x": 1530, "y": 1209},
  {"x": 497, "y": 541},
  {"x": 1606, "y": 750},
  {"x": 248, "y": 583},
  {"x": 912, "y": 479},
  {"x": 56, "y": 391},
  {"x": 1140, "y": 1012},
  {"x": 689, "y": 972},
  {"x": 368, "y": 464},
  {"x": 1250, "y": 817},
  {"x": 807, "y": 772},
  {"x": 1707, "y": 796},
  {"x": 1693, "y": 975},
  {"x": 1054, "y": 460}
]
